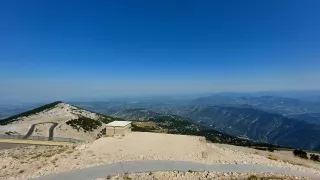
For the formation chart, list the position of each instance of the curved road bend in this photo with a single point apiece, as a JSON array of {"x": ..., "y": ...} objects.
[
  {"x": 159, "y": 165},
  {"x": 29, "y": 133},
  {"x": 51, "y": 130}
]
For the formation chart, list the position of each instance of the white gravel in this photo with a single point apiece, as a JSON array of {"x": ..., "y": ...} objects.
[
  {"x": 199, "y": 176},
  {"x": 24, "y": 163}
]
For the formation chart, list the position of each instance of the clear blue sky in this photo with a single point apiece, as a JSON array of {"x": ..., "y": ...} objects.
[{"x": 61, "y": 49}]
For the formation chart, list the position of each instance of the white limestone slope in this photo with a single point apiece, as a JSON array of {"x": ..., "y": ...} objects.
[{"x": 61, "y": 113}]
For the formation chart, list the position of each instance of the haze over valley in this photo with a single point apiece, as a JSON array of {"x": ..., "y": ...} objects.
[
  {"x": 144, "y": 90},
  {"x": 274, "y": 119}
]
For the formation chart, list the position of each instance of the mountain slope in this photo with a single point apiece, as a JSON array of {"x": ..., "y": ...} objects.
[
  {"x": 312, "y": 118},
  {"x": 28, "y": 113},
  {"x": 73, "y": 122},
  {"x": 257, "y": 125},
  {"x": 174, "y": 124},
  {"x": 138, "y": 114}
]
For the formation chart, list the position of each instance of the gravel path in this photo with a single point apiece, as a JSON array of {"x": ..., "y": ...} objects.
[
  {"x": 38, "y": 161},
  {"x": 159, "y": 165}
]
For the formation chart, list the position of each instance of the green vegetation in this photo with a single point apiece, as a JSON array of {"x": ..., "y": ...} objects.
[
  {"x": 107, "y": 119},
  {"x": 300, "y": 153},
  {"x": 188, "y": 128},
  {"x": 141, "y": 129},
  {"x": 172, "y": 126},
  {"x": 257, "y": 125},
  {"x": 27, "y": 113},
  {"x": 103, "y": 118},
  {"x": 254, "y": 177},
  {"x": 315, "y": 157},
  {"x": 101, "y": 133},
  {"x": 84, "y": 123},
  {"x": 270, "y": 149}
]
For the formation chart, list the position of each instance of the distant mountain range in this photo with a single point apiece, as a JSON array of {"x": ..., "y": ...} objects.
[
  {"x": 274, "y": 104},
  {"x": 174, "y": 124},
  {"x": 257, "y": 125},
  {"x": 81, "y": 124},
  {"x": 307, "y": 95},
  {"x": 313, "y": 118},
  {"x": 138, "y": 114},
  {"x": 246, "y": 122},
  {"x": 279, "y": 120},
  {"x": 163, "y": 104},
  {"x": 286, "y": 106}
]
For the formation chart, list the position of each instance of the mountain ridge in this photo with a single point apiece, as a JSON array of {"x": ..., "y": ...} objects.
[
  {"x": 312, "y": 118},
  {"x": 230, "y": 122},
  {"x": 272, "y": 104},
  {"x": 73, "y": 122},
  {"x": 175, "y": 124},
  {"x": 140, "y": 114},
  {"x": 258, "y": 125},
  {"x": 30, "y": 112}
]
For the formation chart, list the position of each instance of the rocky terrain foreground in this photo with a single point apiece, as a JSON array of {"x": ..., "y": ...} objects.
[
  {"x": 34, "y": 161},
  {"x": 201, "y": 175}
]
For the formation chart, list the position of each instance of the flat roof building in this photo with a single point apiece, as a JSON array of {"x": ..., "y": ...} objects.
[{"x": 118, "y": 128}]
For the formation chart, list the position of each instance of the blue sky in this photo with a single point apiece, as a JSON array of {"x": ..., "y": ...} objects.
[{"x": 65, "y": 49}]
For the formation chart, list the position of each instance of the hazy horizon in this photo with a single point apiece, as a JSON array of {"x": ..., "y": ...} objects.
[{"x": 295, "y": 94}]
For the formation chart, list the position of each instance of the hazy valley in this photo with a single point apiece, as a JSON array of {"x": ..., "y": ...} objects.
[
  {"x": 161, "y": 126},
  {"x": 273, "y": 119}
]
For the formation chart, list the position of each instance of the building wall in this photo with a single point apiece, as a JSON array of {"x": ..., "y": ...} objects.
[{"x": 111, "y": 131}]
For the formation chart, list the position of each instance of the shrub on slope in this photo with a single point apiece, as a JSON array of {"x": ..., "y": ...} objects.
[
  {"x": 300, "y": 153},
  {"x": 84, "y": 123}
]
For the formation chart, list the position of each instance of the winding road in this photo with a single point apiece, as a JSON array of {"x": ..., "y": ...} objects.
[
  {"x": 159, "y": 165},
  {"x": 29, "y": 133},
  {"x": 51, "y": 130}
]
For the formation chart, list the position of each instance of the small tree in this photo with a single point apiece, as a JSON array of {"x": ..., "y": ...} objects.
[
  {"x": 300, "y": 153},
  {"x": 315, "y": 157}
]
